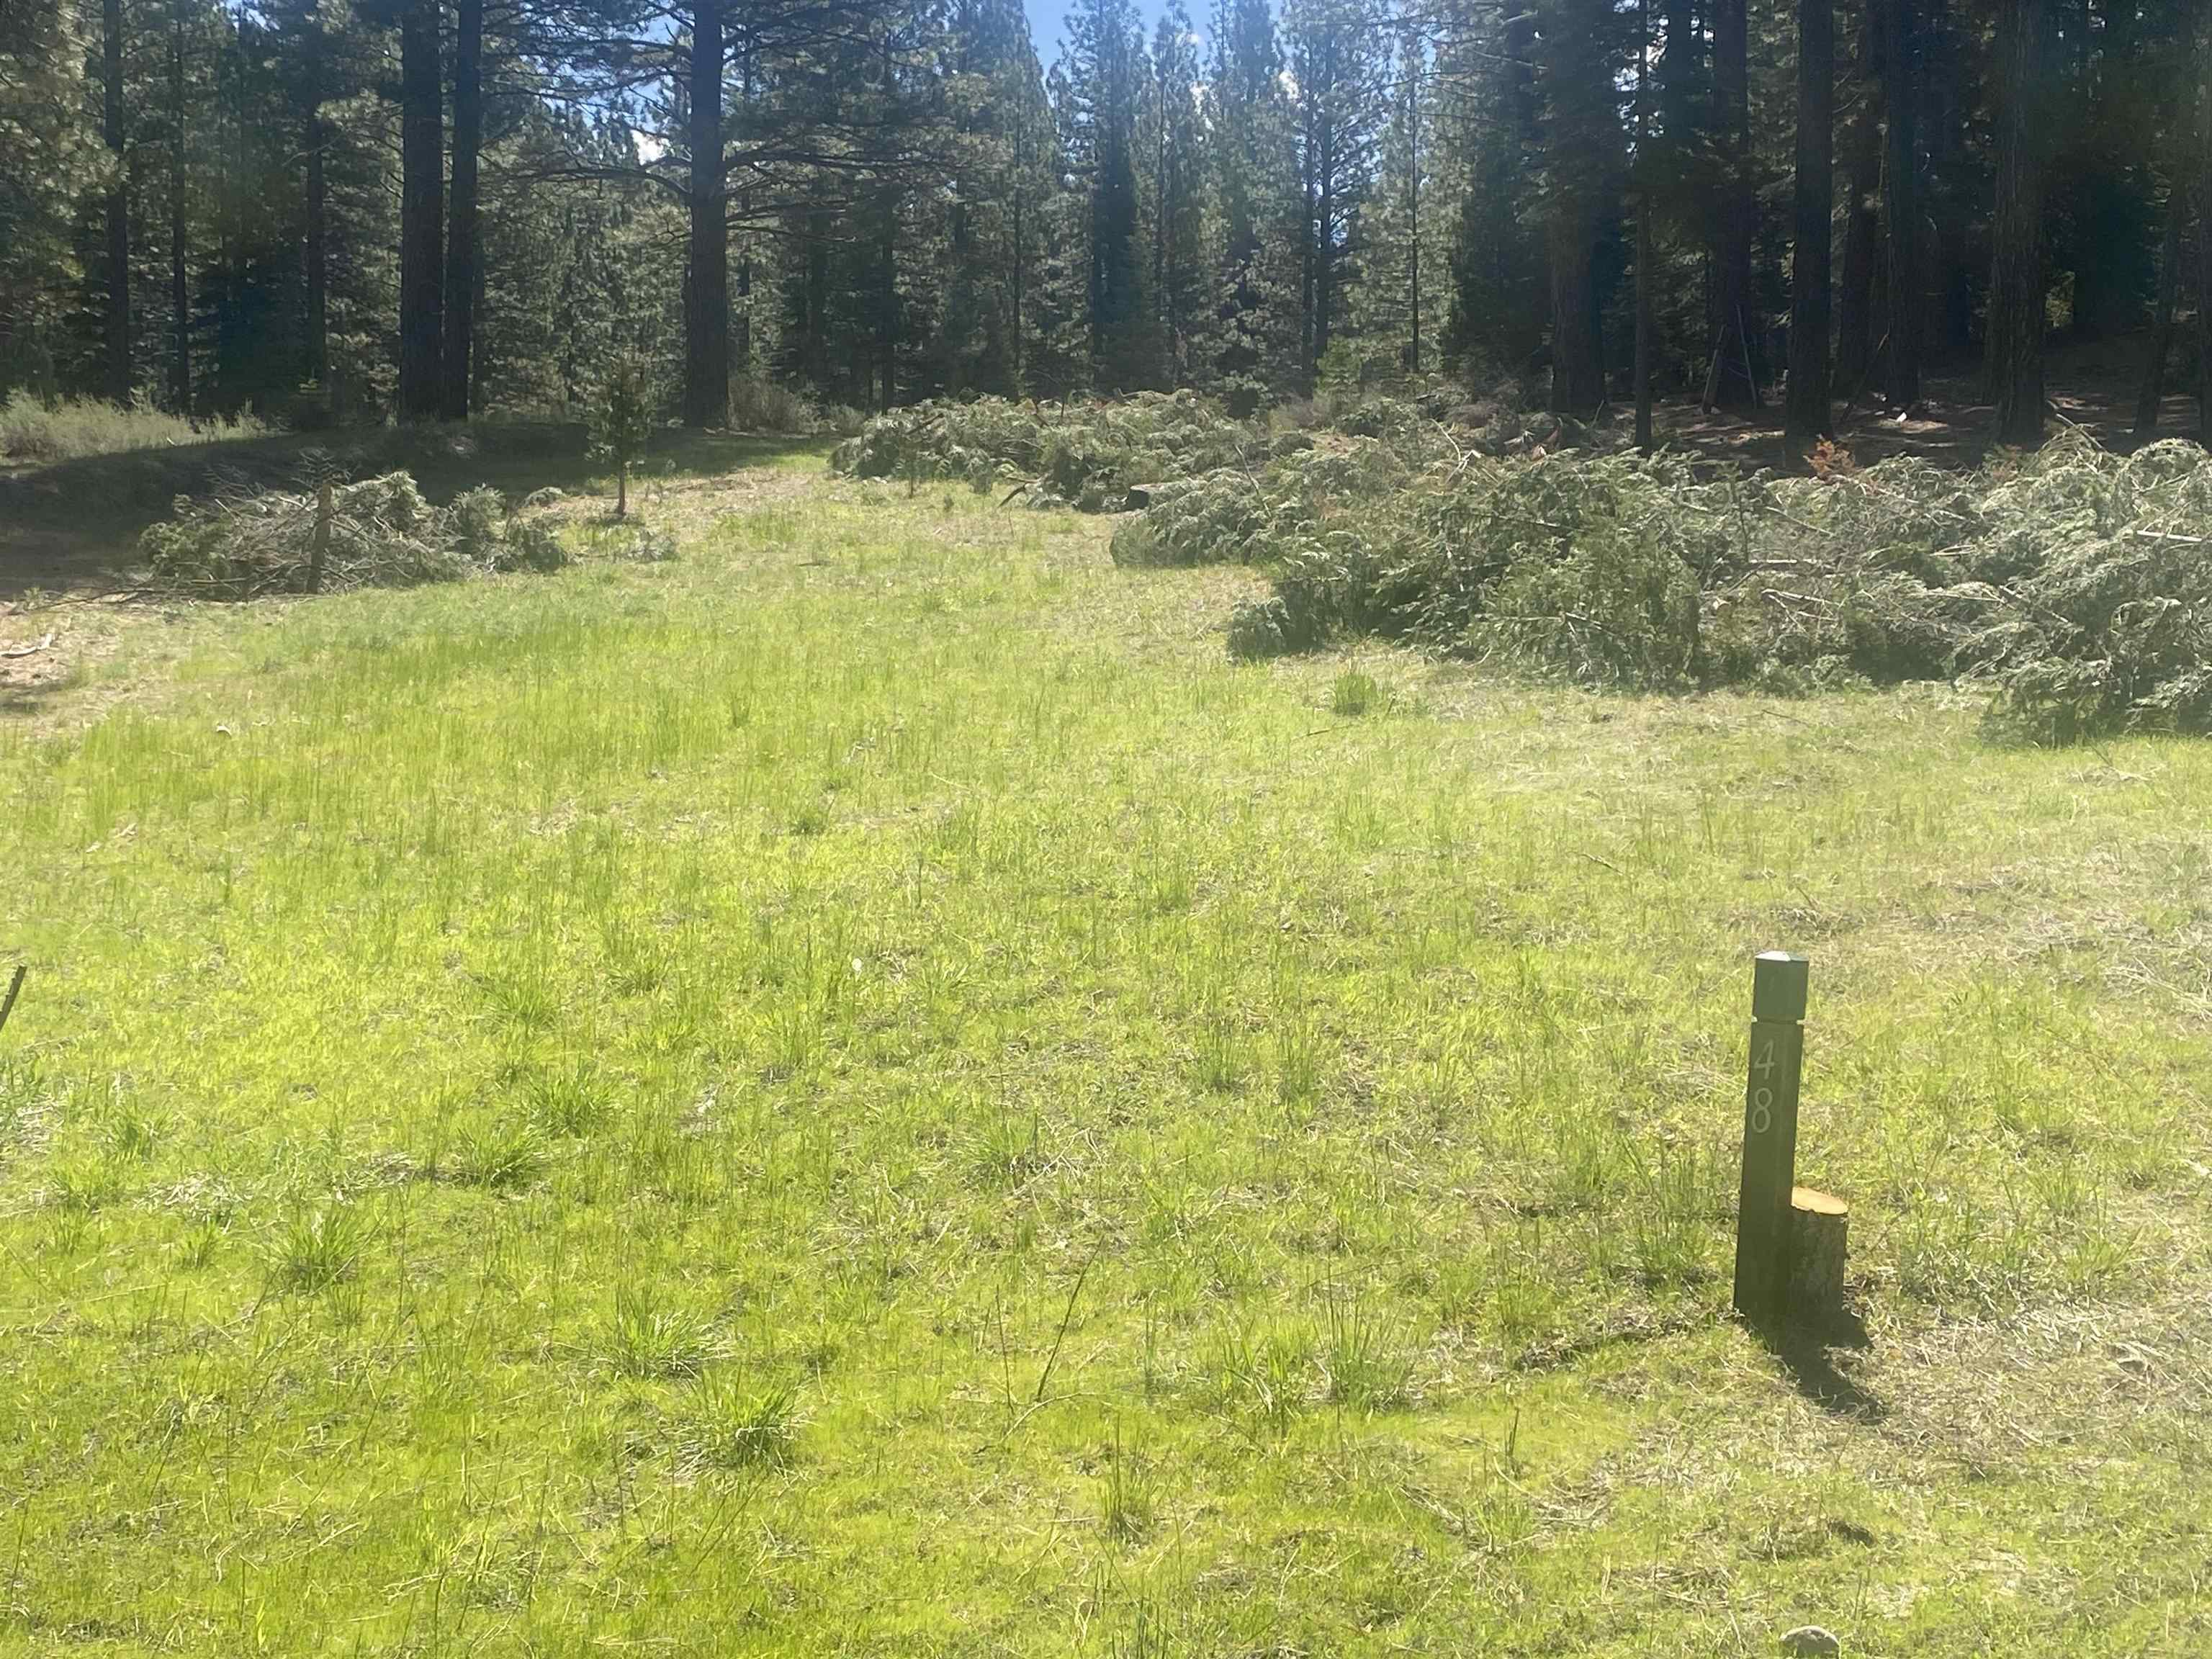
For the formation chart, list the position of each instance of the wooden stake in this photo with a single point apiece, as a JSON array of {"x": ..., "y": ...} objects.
[
  {"x": 1770, "y": 1136},
  {"x": 14, "y": 990},
  {"x": 319, "y": 551}
]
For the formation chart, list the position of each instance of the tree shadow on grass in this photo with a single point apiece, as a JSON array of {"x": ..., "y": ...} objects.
[
  {"x": 74, "y": 525},
  {"x": 1808, "y": 1353}
]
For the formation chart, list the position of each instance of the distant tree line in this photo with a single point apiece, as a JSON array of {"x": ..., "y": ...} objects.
[{"x": 343, "y": 208}]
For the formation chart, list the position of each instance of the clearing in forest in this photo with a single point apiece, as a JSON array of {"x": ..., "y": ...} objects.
[{"x": 867, "y": 1090}]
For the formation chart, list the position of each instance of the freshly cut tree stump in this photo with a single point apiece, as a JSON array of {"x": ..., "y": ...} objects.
[{"x": 1818, "y": 1224}]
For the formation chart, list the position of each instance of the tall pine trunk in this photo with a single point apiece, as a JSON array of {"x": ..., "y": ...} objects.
[
  {"x": 1733, "y": 380},
  {"x": 314, "y": 135},
  {"x": 2151, "y": 397},
  {"x": 1805, "y": 416},
  {"x": 1855, "y": 285},
  {"x": 1578, "y": 349},
  {"x": 180, "y": 331},
  {"x": 119, "y": 375},
  {"x": 2204, "y": 236},
  {"x": 2016, "y": 317},
  {"x": 461, "y": 250},
  {"x": 1643, "y": 363},
  {"x": 706, "y": 333},
  {"x": 421, "y": 214},
  {"x": 318, "y": 252},
  {"x": 1906, "y": 279}
]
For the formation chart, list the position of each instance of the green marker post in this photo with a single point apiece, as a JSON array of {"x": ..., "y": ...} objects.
[{"x": 1770, "y": 1136}]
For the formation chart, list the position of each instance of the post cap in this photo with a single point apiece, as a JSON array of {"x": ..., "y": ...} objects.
[{"x": 1777, "y": 985}]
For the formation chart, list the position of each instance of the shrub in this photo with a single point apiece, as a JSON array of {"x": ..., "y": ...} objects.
[
  {"x": 2076, "y": 584},
  {"x": 381, "y": 532},
  {"x": 1089, "y": 455},
  {"x": 622, "y": 421},
  {"x": 760, "y": 404}
]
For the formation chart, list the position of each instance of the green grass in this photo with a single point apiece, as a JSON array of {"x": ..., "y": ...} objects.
[
  {"x": 32, "y": 431},
  {"x": 864, "y": 1090}
]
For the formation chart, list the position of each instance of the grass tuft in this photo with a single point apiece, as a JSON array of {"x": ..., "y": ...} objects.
[
  {"x": 650, "y": 1340},
  {"x": 732, "y": 1424},
  {"x": 317, "y": 1249}
]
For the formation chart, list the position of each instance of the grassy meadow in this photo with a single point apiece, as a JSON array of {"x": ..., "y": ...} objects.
[{"x": 865, "y": 1090}]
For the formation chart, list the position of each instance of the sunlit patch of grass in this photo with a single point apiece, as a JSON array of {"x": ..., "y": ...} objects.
[
  {"x": 317, "y": 1249},
  {"x": 864, "y": 1087},
  {"x": 648, "y": 1338},
  {"x": 34, "y": 431},
  {"x": 732, "y": 1424}
]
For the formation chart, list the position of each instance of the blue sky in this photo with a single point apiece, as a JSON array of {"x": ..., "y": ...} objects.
[{"x": 1048, "y": 18}]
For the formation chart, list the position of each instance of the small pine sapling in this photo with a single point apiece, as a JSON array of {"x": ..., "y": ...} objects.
[{"x": 622, "y": 422}]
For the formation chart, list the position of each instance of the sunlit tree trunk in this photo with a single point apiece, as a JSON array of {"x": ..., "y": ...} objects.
[
  {"x": 2016, "y": 319},
  {"x": 1901, "y": 186},
  {"x": 462, "y": 254},
  {"x": 707, "y": 338},
  {"x": 422, "y": 213},
  {"x": 119, "y": 379},
  {"x": 1806, "y": 414}
]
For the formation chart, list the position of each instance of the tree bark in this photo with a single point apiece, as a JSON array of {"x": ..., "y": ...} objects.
[
  {"x": 119, "y": 379},
  {"x": 1733, "y": 382},
  {"x": 1413, "y": 213},
  {"x": 1806, "y": 414},
  {"x": 180, "y": 337},
  {"x": 1644, "y": 209},
  {"x": 707, "y": 342},
  {"x": 2016, "y": 317},
  {"x": 1681, "y": 67},
  {"x": 2204, "y": 237},
  {"x": 2151, "y": 399},
  {"x": 1901, "y": 97},
  {"x": 421, "y": 214},
  {"x": 461, "y": 250},
  {"x": 1855, "y": 285},
  {"x": 1578, "y": 350},
  {"x": 317, "y": 253},
  {"x": 1820, "y": 1233}
]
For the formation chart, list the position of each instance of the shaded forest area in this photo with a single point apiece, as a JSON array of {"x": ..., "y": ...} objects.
[{"x": 332, "y": 212}]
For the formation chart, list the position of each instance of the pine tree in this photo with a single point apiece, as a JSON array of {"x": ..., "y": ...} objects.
[
  {"x": 421, "y": 211},
  {"x": 1862, "y": 148},
  {"x": 1103, "y": 51},
  {"x": 1805, "y": 413},
  {"x": 2017, "y": 289},
  {"x": 1578, "y": 85},
  {"x": 1500, "y": 297},
  {"x": 1337, "y": 52},
  {"x": 1254, "y": 184},
  {"x": 46, "y": 164},
  {"x": 120, "y": 377},
  {"x": 1400, "y": 305},
  {"x": 622, "y": 421},
  {"x": 1170, "y": 188},
  {"x": 1901, "y": 80},
  {"x": 1733, "y": 380}
]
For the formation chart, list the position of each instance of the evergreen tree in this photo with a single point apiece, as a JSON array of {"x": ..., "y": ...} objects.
[
  {"x": 1500, "y": 308},
  {"x": 1400, "y": 305},
  {"x": 1258, "y": 206},
  {"x": 2017, "y": 292},
  {"x": 1808, "y": 409},
  {"x": 1337, "y": 52},
  {"x": 46, "y": 165},
  {"x": 1173, "y": 201},
  {"x": 1104, "y": 48},
  {"x": 1577, "y": 84}
]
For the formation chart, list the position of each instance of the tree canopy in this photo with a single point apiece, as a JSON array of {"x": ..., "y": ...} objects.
[{"x": 343, "y": 208}]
